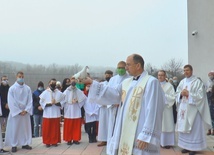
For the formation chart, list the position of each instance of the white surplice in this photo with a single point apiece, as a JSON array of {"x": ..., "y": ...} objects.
[
  {"x": 168, "y": 127},
  {"x": 46, "y": 97},
  {"x": 193, "y": 114},
  {"x": 113, "y": 109},
  {"x": 19, "y": 131},
  {"x": 150, "y": 119},
  {"x": 91, "y": 111},
  {"x": 73, "y": 110}
]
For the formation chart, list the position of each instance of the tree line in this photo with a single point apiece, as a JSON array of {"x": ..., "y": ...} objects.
[{"x": 35, "y": 73}]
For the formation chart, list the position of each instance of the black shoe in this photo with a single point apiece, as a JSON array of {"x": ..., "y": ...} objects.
[
  {"x": 185, "y": 151},
  {"x": 14, "y": 149},
  {"x": 167, "y": 147},
  {"x": 69, "y": 143},
  {"x": 192, "y": 153},
  {"x": 27, "y": 147},
  {"x": 55, "y": 145},
  {"x": 90, "y": 141},
  {"x": 76, "y": 142},
  {"x": 48, "y": 145},
  {"x": 3, "y": 151}
]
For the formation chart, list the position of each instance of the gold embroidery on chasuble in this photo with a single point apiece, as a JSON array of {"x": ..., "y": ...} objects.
[
  {"x": 125, "y": 149},
  {"x": 131, "y": 115},
  {"x": 135, "y": 103},
  {"x": 123, "y": 96}
]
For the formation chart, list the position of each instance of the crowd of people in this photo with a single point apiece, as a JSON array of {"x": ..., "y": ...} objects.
[{"x": 131, "y": 112}]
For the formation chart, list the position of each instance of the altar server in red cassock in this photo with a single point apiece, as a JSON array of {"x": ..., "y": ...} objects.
[
  {"x": 50, "y": 101},
  {"x": 74, "y": 100}
]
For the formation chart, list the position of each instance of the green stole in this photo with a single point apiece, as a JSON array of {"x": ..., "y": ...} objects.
[{"x": 130, "y": 123}]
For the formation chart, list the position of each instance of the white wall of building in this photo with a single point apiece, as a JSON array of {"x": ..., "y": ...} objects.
[{"x": 201, "y": 45}]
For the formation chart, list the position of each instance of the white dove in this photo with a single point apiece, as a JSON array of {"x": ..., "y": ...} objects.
[{"x": 82, "y": 74}]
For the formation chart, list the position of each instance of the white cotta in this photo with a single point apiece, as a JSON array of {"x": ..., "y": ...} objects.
[
  {"x": 73, "y": 110},
  {"x": 91, "y": 111},
  {"x": 46, "y": 98}
]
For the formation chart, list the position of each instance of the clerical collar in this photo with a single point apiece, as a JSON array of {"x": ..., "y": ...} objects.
[
  {"x": 162, "y": 83},
  {"x": 136, "y": 77}
]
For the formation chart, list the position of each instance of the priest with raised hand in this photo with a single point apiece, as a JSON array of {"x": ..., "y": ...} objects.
[
  {"x": 19, "y": 131},
  {"x": 50, "y": 100},
  {"x": 168, "y": 127},
  {"x": 139, "y": 120},
  {"x": 193, "y": 113}
]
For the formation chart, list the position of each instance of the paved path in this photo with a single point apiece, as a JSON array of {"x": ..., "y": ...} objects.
[{"x": 86, "y": 148}]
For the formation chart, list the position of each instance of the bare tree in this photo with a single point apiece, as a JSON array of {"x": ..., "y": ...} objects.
[
  {"x": 150, "y": 69},
  {"x": 173, "y": 67}
]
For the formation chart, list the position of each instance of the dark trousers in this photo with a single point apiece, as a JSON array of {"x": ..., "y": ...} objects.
[
  {"x": 174, "y": 108},
  {"x": 91, "y": 130},
  {"x": 32, "y": 125}
]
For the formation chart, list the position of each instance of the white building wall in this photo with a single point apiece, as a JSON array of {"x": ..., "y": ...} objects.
[{"x": 201, "y": 45}]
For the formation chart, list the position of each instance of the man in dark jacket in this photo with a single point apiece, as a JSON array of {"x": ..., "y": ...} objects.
[
  {"x": 37, "y": 109},
  {"x": 4, "y": 87}
]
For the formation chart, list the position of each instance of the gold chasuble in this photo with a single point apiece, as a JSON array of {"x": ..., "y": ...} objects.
[{"x": 131, "y": 115}]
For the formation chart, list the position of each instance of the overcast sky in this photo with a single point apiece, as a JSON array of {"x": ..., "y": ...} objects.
[{"x": 92, "y": 32}]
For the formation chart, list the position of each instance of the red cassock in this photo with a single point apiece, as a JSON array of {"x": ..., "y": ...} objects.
[
  {"x": 72, "y": 129},
  {"x": 51, "y": 130}
]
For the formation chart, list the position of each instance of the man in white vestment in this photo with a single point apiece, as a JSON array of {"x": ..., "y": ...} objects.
[
  {"x": 113, "y": 109},
  {"x": 168, "y": 127},
  {"x": 139, "y": 120},
  {"x": 18, "y": 131},
  {"x": 103, "y": 116},
  {"x": 193, "y": 113}
]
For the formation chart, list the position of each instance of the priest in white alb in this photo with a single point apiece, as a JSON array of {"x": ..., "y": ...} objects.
[
  {"x": 168, "y": 127},
  {"x": 103, "y": 115},
  {"x": 139, "y": 120},
  {"x": 113, "y": 109},
  {"x": 193, "y": 113},
  {"x": 19, "y": 131}
]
